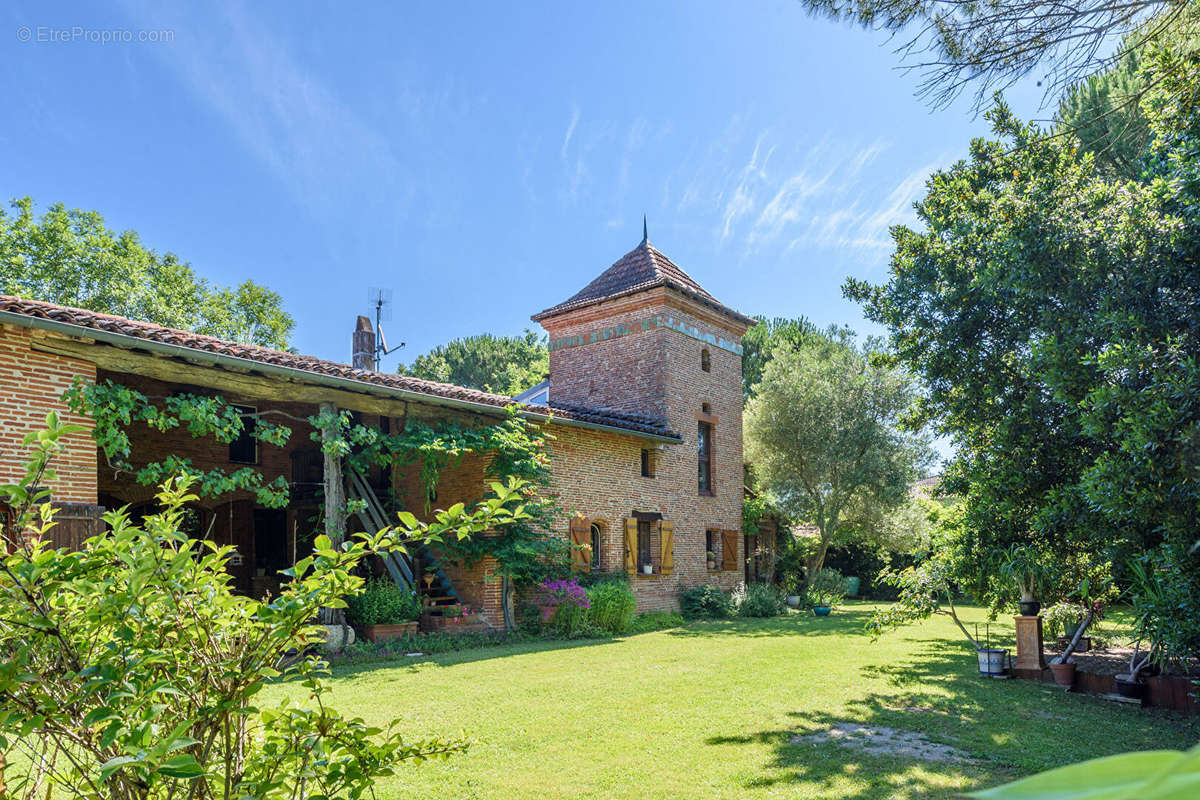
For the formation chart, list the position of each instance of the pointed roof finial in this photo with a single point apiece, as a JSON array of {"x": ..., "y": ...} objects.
[{"x": 645, "y": 234}]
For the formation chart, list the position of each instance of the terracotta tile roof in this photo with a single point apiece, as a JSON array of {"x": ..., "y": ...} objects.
[
  {"x": 644, "y": 267},
  {"x": 150, "y": 332}
]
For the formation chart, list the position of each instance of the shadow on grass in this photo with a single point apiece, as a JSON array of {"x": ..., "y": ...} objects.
[
  {"x": 1005, "y": 729},
  {"x": 843, "y": 622},
  {"x": 468, "y": 656},
  {"x": 937, "y": 695}
]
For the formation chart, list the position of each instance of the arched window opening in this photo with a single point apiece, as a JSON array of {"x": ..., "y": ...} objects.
[
  {"x": 597, "y": 531},
  {"x": 705, "y": 360}
]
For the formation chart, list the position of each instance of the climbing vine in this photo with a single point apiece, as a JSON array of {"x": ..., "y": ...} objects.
[
  {"x": 114, "y": 408},
  {"x": 514, "y": 447}
]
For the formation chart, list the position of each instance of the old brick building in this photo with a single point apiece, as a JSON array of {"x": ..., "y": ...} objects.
[{"x": 643, "y": 398}]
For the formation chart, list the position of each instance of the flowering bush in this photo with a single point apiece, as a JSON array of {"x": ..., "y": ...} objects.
[{"x": 564, "y": 606}]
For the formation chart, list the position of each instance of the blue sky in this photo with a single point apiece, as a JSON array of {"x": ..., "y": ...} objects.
[{"x": 483, "y": 160}]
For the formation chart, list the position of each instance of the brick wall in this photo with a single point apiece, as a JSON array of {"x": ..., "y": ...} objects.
[{"x": 31, "y": 385}]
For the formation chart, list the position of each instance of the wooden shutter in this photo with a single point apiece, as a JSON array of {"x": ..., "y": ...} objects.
[
  {"x": 581, "y": 544},
  {"x": 631, "y": 545},
  {"x": 729, "y": 550},
  {"x": 666, "y": 531}
]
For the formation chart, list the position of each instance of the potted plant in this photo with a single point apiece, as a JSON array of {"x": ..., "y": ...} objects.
[
  {"x": 826, "y": 589},
  {"x": 793, "y": 598},
  {"x": 712, "y": 560},
  {"x": 384, "y": 610},
  {"x": 1022, "y": 565},
  {"x": 647, "y": 569}
]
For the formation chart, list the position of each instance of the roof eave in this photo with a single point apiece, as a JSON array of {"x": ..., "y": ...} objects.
[
  {"x": 561, "y": 309},
  {"x": 292, "y": 373}
]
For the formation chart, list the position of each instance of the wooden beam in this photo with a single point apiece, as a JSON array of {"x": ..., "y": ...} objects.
[
  {"x": 240, "y": 385},
  {"x": 335, "y": 502}
]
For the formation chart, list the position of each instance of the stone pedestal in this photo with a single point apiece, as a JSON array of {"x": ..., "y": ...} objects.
[{"x": 1029, "y": 644}]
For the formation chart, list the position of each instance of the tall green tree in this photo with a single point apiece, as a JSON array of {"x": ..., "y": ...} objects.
[
  {"x": 69, "y": 256},
  {"x": 1054, "y": 316},
  {"x": 992, "y": 45},
  {"x": 823, "y": 432},
  {"x": 502, "y": 364},
  {"x": 1104, "y": 110},
  {"x": 761, "y": 340}
]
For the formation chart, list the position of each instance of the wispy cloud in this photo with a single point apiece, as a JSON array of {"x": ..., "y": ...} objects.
[
  {"x": 294, "y": 123},
  {"x": 570, "y": 131},
  {"x": 867, "y": 226}
]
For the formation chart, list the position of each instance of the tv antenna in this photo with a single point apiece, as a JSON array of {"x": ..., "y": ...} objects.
[{"x": 381, "y": 299}]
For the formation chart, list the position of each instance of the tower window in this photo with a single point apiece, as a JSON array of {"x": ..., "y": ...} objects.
[
  {"x": 647, "y": 463},
  {"x": 596, "y": 536},
  {"x": 705, "y": 360},
  {"x": 645, "y": 557},
  {"x": 704, "y": 457}
]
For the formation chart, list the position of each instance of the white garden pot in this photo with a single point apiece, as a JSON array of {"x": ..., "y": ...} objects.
[
  {"x": 336, "y": 637},
  {"x": 792, "y": 600},
  {"x": 647, "y": 569}
]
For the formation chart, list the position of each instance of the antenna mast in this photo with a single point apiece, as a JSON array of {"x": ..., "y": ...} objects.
[{"x": 382, "y": 300}]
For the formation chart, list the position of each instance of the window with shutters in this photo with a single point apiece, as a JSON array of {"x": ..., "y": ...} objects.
[
  {"x": 704, "y": 457},
  {"x": 729, "y": 550},
  {"x": 597, "y": 533},
  {"x": 244, "y": 449},
  {"x": 582, "y": 552},
  {"x": 645, "y": 552}
]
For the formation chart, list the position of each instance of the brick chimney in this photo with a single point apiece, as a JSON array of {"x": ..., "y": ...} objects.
[{"x": 364, "y": 345}]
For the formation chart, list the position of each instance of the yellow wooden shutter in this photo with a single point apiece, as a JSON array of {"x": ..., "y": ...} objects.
[
  {"x": 581, "y": 544},
  {"x": 631, "y": 545},
  {"x": 729, "y": 550},
  {"x": 667, "y": 537}
]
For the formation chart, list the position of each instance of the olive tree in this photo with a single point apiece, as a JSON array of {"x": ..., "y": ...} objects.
[{"x": 823, "y": 434}]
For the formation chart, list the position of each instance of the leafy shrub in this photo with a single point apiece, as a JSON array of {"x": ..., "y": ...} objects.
[
  {"x": 596, "y": 578},
  {"x": 529, "y": 618},
  {"x": 1061, "y": 616},
  {"x": 761, "y": 600},
  {"x": 102, "y": 704},
  {"x": 613, "y": 606},
  {"x": 565, "y": 607},
  {"x": 655, "y": 621},
  {"x": 704, "y": 602},
  {"x": 382, "y": 602},
  {"x": 828, "y": 588}
]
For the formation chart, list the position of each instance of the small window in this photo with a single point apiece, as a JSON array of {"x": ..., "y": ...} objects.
[
  {"x": 704, "y": 457},
  {"x": 712, "y": 543},
  {"x": 645, "y": 551},
  {"x": 596, "y": 535},
  {"x": 705, "y": 360},
  {"x": 244, "y": 449},
  {"x": 705, "y": 408},
  {"x": 647, "y": 463}
]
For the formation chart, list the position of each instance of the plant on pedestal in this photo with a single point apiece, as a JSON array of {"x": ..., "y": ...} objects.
[{"x": 1027, "y": 568}]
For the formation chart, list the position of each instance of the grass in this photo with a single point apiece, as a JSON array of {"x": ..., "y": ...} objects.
[{"x": 712, "y": 710}]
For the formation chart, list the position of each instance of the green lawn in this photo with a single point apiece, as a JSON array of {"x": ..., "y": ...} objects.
[{"x": 711, "y": 711}]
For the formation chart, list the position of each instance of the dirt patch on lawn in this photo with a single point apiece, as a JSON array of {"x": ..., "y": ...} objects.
[{"x": 878, "y": 740}]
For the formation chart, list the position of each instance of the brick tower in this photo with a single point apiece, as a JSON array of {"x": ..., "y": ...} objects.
[{"x": 644, "y": 338}]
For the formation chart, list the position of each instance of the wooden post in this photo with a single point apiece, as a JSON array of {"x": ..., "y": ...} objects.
[
  {"x": 335, "y": 505},
  {"x": 1029, "y": 644}
]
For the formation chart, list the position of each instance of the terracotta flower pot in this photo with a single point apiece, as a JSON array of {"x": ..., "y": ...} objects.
[
  {"x": 399, "y": 630},
  {"x": 1064, "y": 674}
]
